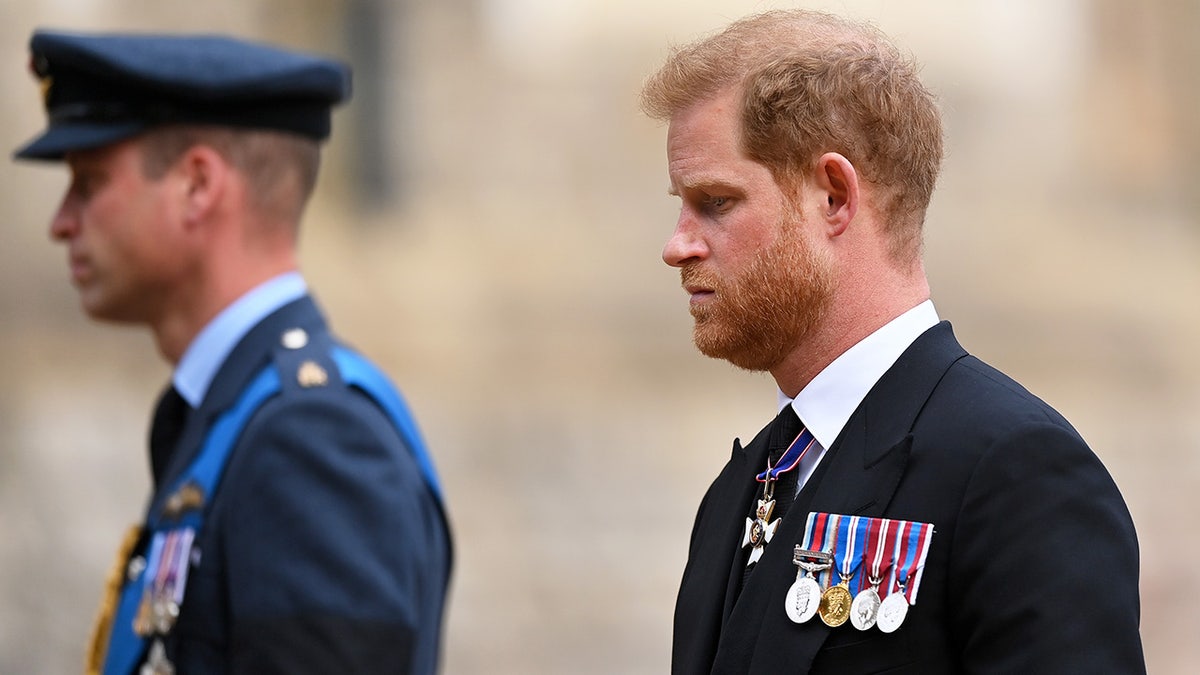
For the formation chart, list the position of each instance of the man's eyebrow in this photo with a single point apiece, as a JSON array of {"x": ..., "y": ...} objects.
[{"x": 704, "y": 183}]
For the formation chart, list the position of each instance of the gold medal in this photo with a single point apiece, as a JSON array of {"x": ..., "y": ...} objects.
[
  {"x": 835, "y": 604},
  {"x": 836, "y": 600}
]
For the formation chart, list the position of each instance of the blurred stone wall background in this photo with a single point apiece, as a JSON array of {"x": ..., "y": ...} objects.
[{"x": 488, "y": 227}]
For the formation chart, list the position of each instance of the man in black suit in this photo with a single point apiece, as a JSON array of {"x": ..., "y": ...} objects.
[
  {"x": 296, "y": 524},
  {"x": 804, "y": 151}
]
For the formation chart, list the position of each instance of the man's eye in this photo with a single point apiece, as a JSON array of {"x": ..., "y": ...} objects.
[
  {"x": 81, "y": 186},
  {"x": 716, "y": 202},
  {"x": 84, "y": 183}
]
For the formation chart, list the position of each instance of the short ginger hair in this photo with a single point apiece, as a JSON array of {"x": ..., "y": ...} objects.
[{"x": 813, "y": 83}]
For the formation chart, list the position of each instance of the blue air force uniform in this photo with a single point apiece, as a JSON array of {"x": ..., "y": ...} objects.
[
  {"x": 296, "y": 524},
  {"x": 326, "y": 550}
]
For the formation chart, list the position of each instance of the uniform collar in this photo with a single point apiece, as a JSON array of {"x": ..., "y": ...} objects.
[
  {"x": 827, "y": 403},
  {"x": 206, "y": 353}
]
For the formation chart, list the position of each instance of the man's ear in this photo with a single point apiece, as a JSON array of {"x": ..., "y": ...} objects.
[
  {"x": 205, "y": 177},
  {"x": 838, "y": 183}
]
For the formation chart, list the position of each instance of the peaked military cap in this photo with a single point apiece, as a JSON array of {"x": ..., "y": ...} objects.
[{"x": 102, "y": 88}]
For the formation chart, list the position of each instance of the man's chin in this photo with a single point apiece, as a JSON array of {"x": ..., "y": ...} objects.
[
  {"x": 744, "y": 356},
  {"x": 105, "y": 312}
]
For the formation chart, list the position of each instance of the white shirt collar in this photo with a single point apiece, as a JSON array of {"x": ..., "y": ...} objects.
[
  {"x": 206, "y": 353},
  {"x": 825, "y": 405}
]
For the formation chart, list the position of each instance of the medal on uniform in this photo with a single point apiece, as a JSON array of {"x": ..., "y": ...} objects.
[
  {"x": 812, "y": 561},
  {"x": 157, "y": 662},
  {"x": 805, "y": 593},
  {"x": 163, "y": 581},
  {"x": 143, "y": 621},
  {"x": 864, "y": 611},
  {"x": 911, "y": 547},
  {"x": 160, "y": 618},
  {"x": 169, "y": 578},
  {"x": 760, "y": 529},
  {"x": 892, "y": 610},
  {"x": 892, "y": 556},
  {"x": 834, "y": 609}
]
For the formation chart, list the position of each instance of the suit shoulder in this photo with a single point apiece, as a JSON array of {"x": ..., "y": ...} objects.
[{"x": 978, "y": 393}]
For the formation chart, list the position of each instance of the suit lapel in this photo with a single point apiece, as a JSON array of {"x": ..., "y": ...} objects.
[
  {"x": 744, "y": 494},
  {"x": 858, "y": 476},
  {"x": 714, "y": 569},
  {"x": 871, "y": 453}
]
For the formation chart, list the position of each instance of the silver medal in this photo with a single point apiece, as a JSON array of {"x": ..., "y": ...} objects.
[
  {"x": 892, "y": 611},
  {"x": 803, "y": 598},
  {"x": 864, "y": 611},
  {"x": 157, "y": 662}
]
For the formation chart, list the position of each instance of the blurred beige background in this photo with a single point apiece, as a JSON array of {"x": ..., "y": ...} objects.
[{"x": 488, "y": 227}]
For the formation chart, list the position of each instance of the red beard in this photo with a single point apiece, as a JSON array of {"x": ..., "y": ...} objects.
[{"x": 756, "y": 317}]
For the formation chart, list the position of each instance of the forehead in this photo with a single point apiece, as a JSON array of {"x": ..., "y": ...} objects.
[
  {"x": 111, "y": 155},
  {"x": 706, "y": 125},
  {"x": 704, "y": 145}
]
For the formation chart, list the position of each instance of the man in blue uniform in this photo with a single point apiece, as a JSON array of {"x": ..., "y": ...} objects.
[
  {"x": 804, "y": 151},
  {"x": 296, "y": 524}
]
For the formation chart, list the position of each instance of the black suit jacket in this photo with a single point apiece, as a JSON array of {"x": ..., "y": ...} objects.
[
  {"x": 325, "y": 551},
  {"x": 1033, "y": 567}
]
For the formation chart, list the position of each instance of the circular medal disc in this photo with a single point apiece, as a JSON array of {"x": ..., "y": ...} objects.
[
  {"x": 835, "y": 605},
  {"x": 802, "y": 599},
  {"x": 865, "y": 609},
  {"x": 756, "y": 532},
  {"x": 892, "y": 611}
]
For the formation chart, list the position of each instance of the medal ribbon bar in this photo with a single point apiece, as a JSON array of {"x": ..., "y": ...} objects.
[
  {"x": 879, "y": 554},
  {"x": 853, "y": 531},
  {"x": 790, "y": 458},
  {"x": 912, "y": 546},
  {"x": 894, "y": 551},
  {"x": 819, "y": 531}
]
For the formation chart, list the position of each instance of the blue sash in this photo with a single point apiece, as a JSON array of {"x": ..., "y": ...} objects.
[{"x": 125, "y": 647}]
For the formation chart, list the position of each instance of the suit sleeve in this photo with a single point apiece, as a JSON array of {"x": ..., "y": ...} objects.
[
  {"x": 336, "y": 554},
  {"x": 1045, "y": 567}
]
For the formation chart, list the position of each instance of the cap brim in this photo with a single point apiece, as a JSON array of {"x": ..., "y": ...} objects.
[{"x": 60, "y": 139}]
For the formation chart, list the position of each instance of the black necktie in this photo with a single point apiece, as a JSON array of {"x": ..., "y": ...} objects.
[{"x": 169, "y": 418}]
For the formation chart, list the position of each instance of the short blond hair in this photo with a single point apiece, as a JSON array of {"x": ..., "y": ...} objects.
[{"x": 813, "y": 83}]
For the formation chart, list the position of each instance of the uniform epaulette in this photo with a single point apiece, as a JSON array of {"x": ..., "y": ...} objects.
[{"x": 304, "y": 360}]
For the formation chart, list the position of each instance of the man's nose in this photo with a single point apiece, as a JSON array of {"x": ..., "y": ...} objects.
[{"x": 685, "y": 244}]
